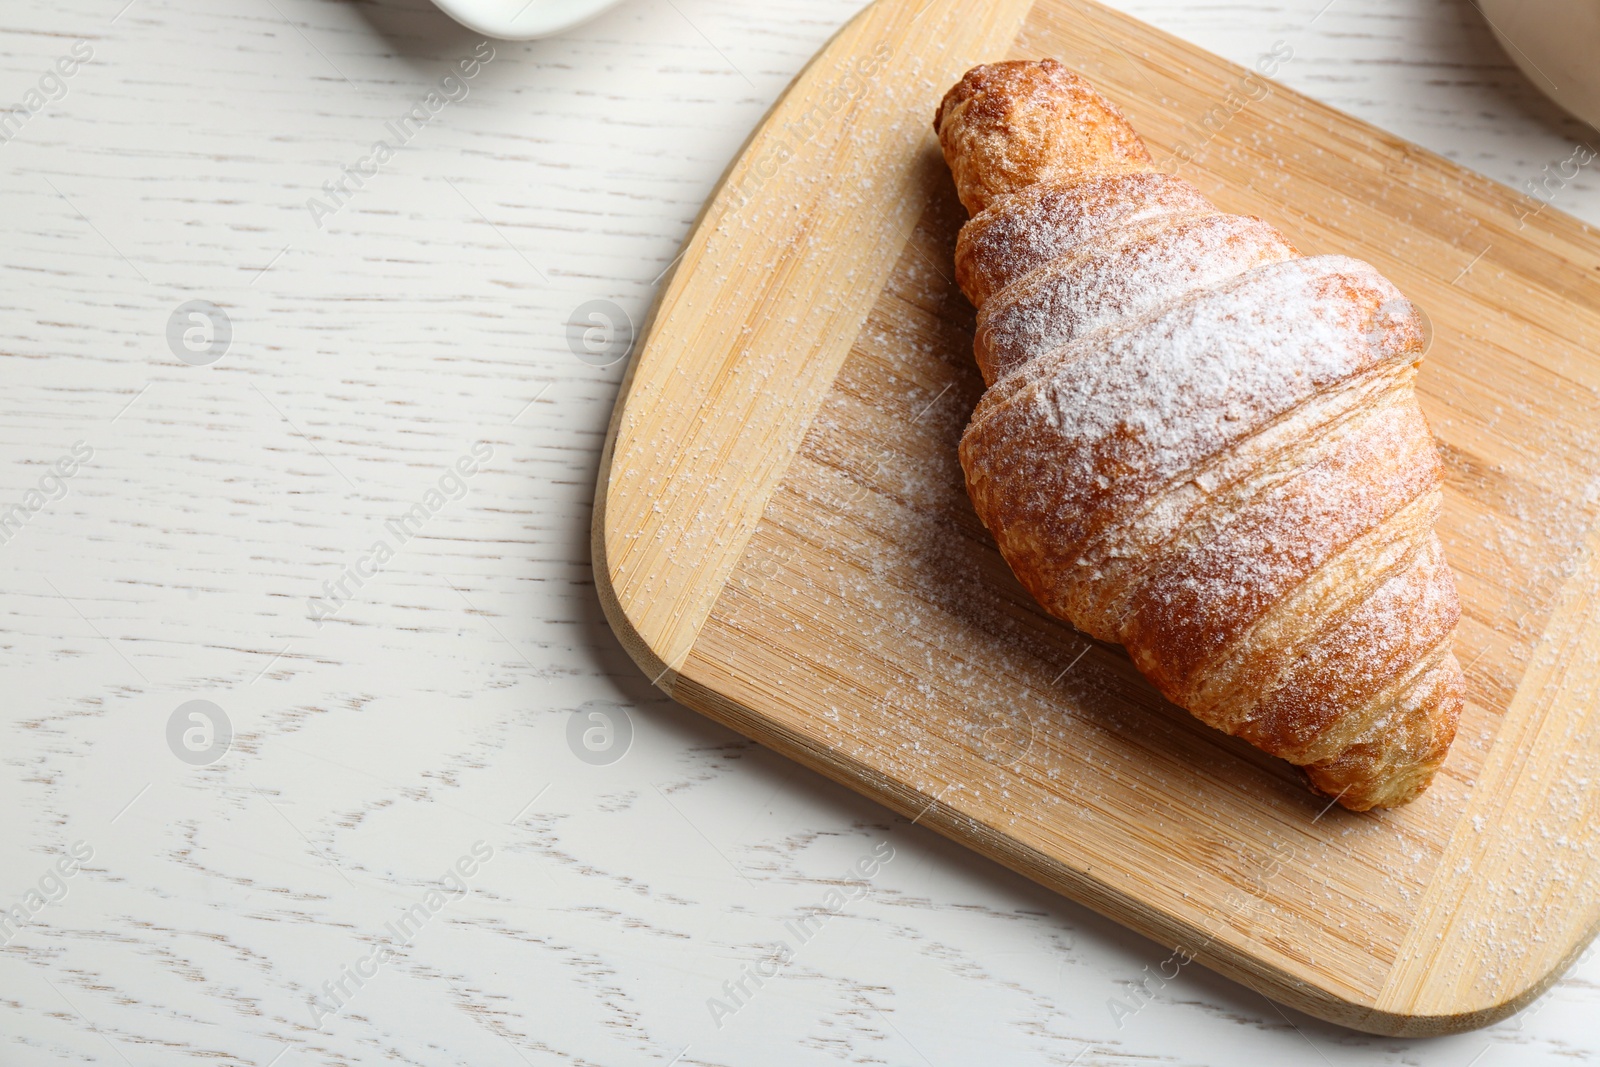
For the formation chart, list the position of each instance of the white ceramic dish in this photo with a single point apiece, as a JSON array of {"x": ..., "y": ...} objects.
[
  {"x": 523, "y": 20},
  {"x": 1554, "y": 42}
]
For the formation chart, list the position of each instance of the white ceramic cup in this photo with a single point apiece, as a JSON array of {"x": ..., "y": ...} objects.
[
  {"x": 522, "y": 20},
  {"x": 1557, "y": 45}
]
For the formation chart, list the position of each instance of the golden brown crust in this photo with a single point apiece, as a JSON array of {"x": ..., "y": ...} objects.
[
  {"x": 1011, "y": 125},
  {"x": 1201, "y": 445}
]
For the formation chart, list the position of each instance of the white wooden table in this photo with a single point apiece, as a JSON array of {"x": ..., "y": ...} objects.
[{"x": 345, "y": 500}]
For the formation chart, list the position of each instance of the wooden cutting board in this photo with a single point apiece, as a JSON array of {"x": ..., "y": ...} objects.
[{"x": 783, "y": 541}]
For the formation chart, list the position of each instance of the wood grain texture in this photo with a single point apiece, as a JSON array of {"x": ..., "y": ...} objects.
[
  {"x": 1505, "y": 888},
  {"x": 767, "y": 236},
  {"x": 871, "y": 631},
  {"x": 432, "y": 711}
]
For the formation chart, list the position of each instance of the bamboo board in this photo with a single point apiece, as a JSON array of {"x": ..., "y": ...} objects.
[{"x": 783, "y": 542}]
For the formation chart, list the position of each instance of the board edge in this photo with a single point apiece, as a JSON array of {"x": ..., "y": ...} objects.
[{"x": 683, "y": 687}]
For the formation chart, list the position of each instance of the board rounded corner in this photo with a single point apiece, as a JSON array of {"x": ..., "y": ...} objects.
[{"x": 1468, "y": 1012}]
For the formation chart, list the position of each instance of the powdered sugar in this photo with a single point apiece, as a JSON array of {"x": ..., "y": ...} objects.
[
  {"x": 1028, "y": 229},
  {"x": 1104, "y": 421},
  {"x": 1124, "y": 274}
]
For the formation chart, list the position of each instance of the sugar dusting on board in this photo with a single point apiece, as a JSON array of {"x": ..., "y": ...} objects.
[{"x": 878, "y": 560}]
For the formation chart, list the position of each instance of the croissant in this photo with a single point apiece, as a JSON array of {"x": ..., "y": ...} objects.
[{"x": 1200, "y": 444}]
